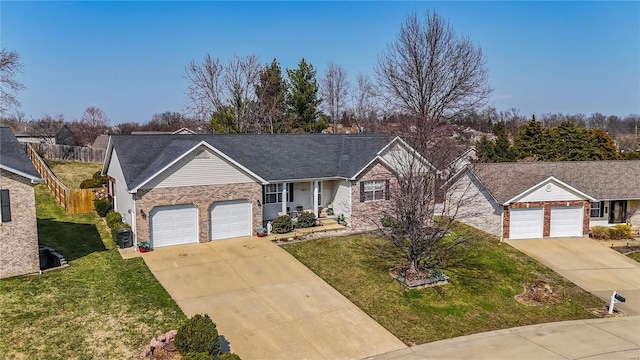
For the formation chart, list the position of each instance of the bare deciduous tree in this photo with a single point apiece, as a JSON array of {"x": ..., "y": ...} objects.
[
  {"x": 205, "y": 88},
  {"x": 431, "y": 73},
  {"x": 47, "y": 127},
  {"x": 95, "y": 117},
  {"x": 333, "y": 89},
  {"x": 10, "y": 65},
  {"x": 240, "y": 78},
  {"x": 364, "y": 105}
]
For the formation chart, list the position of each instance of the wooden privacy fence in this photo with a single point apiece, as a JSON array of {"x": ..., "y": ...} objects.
[
  {"x": 76, "y": 201},
  {"x": 72, "y": 153}
]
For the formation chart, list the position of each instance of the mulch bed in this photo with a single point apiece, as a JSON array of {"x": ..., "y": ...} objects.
[{"x": 538, "y": 293}]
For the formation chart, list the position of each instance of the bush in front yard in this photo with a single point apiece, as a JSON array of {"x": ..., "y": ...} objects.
[
  {"x": 305, "y": 220},
  {"x": 94, "y": 182},
  {"x": 198, "y": 334},
  {"x": 197, "y": 356},
  {"x": 113, "y": 218},
  {"x": 229, "y": 356},
  {"x": 600, "y": 232},
  {"x": 281, "y": 224},
  {"x": 620, "y": 231},
  {"x": 102, "y": 206}
]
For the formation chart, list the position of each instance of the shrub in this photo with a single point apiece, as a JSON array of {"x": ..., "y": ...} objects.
[
  {"x": 198, "y": 334},
  {"x": 118, "y": 226},
  {"x": 197, "y": 356},
  {"x": 390, "y": 222},
  {"x": 620, "y": 231},
  {"x": 229, "y": 356},
  {"x": 95, "y": 181},
  {"x": 281, "y": 225},
  {"x": 113, "y": 218},
  {"x": 102, "y": 206},
  {"x": 600, "y": 232},
  {"x": 306, "y": 220}
]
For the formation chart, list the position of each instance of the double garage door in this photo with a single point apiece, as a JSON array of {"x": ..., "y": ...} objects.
[
  {"x": 178, "y": 224},
  {"x": 528, "y": 223}
]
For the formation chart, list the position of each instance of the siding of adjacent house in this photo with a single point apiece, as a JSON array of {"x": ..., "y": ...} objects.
[
  {"x": 469, "y": 202},
  {"x": 124, "y": 201},
  {"x": 202, "y": 167},
  {"x": 19, "y": 237},
  {"x": 341, "y": 199}
]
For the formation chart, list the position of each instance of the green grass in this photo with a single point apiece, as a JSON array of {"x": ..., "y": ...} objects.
[
  {"x": 101, "y": 307},
  {"x": 71, "y": 173},
  {"x": 635, "y": 256},
  {"x": 480, "y": 296}
]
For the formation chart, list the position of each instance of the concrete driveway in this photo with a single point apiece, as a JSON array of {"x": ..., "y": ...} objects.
[
  {"x": 590, "y": 265},
  {"x": 266, "y": 303}
]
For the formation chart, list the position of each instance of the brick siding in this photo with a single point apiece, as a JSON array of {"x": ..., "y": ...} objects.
[
  {"x": 200, "y": 196},
  {"x": 366, "y": 214},
  {"x": 19, "y": 237},
  {"x": 547, "y": 205}
]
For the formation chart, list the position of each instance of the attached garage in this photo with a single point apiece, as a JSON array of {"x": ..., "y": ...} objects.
[
  {"x": 566, "y": 221},
  {"x": 174, "y": 225},
  {"x": 230, "y": 219},
  {"x": 526, "y": 223}
]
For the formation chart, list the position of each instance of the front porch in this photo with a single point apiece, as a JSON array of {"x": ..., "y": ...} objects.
[
  {"x": 613, "y": 212},
  {"x": 324, "y": 198}
]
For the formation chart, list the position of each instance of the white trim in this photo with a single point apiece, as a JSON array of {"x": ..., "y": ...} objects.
[
  {"x": 34, "y": 179},
  {"x": 540, "y": 184},
  {"x": 202, "y": 143},
  {"x": 107, "y": 158},
  {"x": 411, "y": 149}
]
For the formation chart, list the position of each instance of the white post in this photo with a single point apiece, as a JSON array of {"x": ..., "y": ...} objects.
[
  {"x": 284, "y": 198},
  {"x": 315, "y": 198},
  {"x": 613, "y": 301}
]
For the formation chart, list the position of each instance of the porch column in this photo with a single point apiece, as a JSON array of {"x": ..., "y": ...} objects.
[
  {"x": 284, "y": 198},
  {"x": 315, "y": 198}
]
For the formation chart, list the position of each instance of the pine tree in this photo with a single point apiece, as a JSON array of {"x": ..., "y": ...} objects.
[
  {"x": 302, "y": 97},
  {"x": 486, "y": 150},
  {"x": 271, "y": 91},
  {"x": 573, "y": 142},
  {"x": 530, "y": 142},
  {"x": 503, "y": 150},
  {"x": 604, "y": 148}
]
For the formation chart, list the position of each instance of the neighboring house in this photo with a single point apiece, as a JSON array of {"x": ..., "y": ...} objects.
[
  {"x": 548, "y": 199},
  {"x": 181, "y": 131},
  {"x": 101, "y": 142},
  {"x": 18, "y": 225},
  {"x": 176, "y": 189},
  {"x": 66, "y": 136}
]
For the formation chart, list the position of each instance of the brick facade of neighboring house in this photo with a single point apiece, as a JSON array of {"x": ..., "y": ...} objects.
[
  {"x": 547, "y": 205},
  {"x": 200, "y": 196},
  {"x": 19, "y": 237},
  {"x": 366, "y": 214}
]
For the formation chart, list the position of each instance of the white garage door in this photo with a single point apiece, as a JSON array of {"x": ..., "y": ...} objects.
[
  {"x": 174, "y": 225},
  {"x": 230, "y": 219},
  {"x": 566, "y": 221},
  {"x": 526, "y": 223}
]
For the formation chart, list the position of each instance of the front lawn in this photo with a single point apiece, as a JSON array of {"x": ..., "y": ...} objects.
[
  {"x": 635, "y": 256},
  {"x": 101, "y": 307},
  {"x": 71, "y": 173},
  {"x": 479, "y": 298}
]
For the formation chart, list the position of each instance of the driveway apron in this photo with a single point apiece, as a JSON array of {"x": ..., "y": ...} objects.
[
  {"x": 592, "y": 266},
  {"x": 266, "y": 303}
]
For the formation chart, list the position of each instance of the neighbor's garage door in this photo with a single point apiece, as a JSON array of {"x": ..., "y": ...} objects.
[
  {"x": 566, "y": 221},
  {"x": 174, "y": 225},
  {"x": 526, "y": 223},
  {"x": 230, "y": 219}
]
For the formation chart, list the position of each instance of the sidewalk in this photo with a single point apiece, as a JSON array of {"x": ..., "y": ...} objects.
[{"x": 610, "y": 338}]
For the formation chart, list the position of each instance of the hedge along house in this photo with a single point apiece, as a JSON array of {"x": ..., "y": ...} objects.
[
  {"x": 18, "y": 224},
  {"x": 177, "y": 189},
  {"x": 551, "y": 199}
]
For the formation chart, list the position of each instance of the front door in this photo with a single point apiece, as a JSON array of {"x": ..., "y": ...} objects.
[{"x": 618, "y": 212}]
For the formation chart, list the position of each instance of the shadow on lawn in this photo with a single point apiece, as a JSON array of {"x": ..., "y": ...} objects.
[{"x": 72, "y": 240}]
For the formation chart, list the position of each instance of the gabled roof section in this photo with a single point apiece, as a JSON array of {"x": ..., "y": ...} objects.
[
  {"x": 13, "y": 157},
  {"x": 601, "y": 180},
  {"x": 269, "y": 157},
  {"x": 544, "y": 183}
]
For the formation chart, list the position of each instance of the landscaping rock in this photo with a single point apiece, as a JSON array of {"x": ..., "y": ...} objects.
[{"x": 160, "y": 346}]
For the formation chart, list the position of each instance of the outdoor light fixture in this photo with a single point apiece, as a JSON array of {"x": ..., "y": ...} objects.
[
  {"x": 259, "y": 204},
  {"x": 144, "y": 216}
]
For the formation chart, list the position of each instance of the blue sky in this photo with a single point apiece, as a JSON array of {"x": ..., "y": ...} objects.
[{"x": 128, "y": 58}]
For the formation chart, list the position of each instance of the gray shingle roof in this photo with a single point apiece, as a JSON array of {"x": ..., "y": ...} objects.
[
  {"x": 273, "y": 157},
  {"x": 13, "y": 156},
  {"x": 603, "y": 180}
]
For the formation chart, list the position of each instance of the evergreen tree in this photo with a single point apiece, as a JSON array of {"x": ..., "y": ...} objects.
[
  {"x": 486, "y": 150},
  {"x": 604, "y": 148},
  {"x": 530, "y": 142},
  {"x": 223, "y": 122},
  {"x": 573, "y": 142},
  {"x": 503, "y": 150},
  {"x": 271, "y": 91},
  {"x": 302, "y": 97}
]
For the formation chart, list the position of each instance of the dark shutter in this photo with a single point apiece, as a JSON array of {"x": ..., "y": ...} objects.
[
  {"x": 264, "y": 194},
  {"x": 386, "y": 190},
  {"x": 290, "y": 192},
  {"x": 362, "y": 191},
  {"x": 5, "y": 203},
  {"x": 601, "y": 209}
]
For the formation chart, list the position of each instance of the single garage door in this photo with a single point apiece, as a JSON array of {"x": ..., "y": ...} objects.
[
  {"x": 174, "y": 225},
  {"x": 526, "y": 223},
  {"x": 566, "y": 221},
  {"x": 230, "y": 219}
]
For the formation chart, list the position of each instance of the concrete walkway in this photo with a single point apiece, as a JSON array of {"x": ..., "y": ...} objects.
[
  {"x": 612, "y": 338},
  {"x": 590, "y": 265},
  {"x": 266, "y": 303}
]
